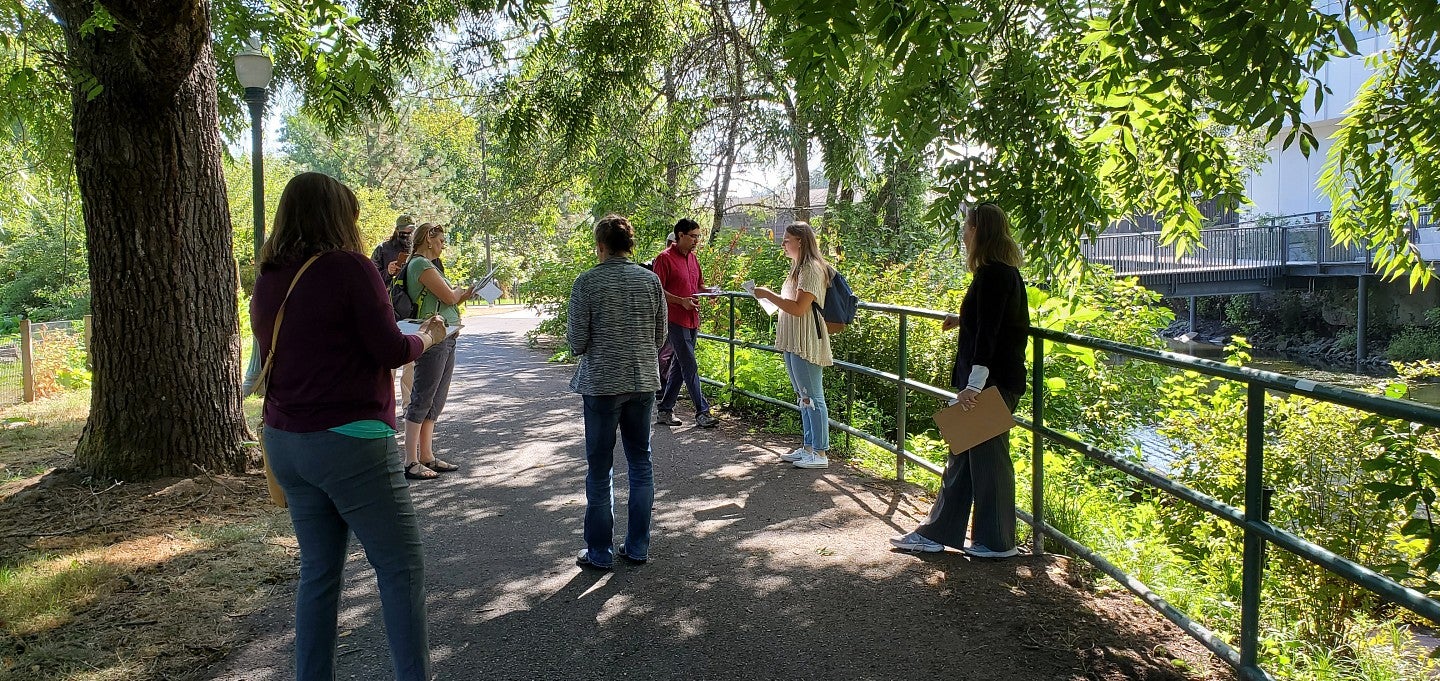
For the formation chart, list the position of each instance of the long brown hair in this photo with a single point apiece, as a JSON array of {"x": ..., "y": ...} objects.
[
  {"x": 992, "y": 241},
  {"x": 317, "y": 213},
  {"x": 809, "y": 251}
]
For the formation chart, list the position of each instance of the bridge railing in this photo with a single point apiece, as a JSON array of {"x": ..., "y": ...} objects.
[
  {"x": 1303, "y": 239},
  {"x": 1253, "y": 518}
]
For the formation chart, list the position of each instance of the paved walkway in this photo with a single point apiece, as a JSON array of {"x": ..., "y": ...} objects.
[{"x": 758, "y": 571}]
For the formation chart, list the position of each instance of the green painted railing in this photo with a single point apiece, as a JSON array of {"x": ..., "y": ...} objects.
[{"x": 1252, "y": 519}]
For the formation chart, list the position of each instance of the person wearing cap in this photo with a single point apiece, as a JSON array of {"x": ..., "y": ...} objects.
[{"x": 390, "y": 256}]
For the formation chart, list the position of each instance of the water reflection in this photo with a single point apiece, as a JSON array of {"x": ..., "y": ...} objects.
[{"x": 1428, "y": 393}]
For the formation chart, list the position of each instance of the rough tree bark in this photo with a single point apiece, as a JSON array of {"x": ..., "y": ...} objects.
[{"x": 165, "y": 342}]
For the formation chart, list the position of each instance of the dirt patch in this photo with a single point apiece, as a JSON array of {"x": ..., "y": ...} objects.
[{"x": 133, "y": 581}]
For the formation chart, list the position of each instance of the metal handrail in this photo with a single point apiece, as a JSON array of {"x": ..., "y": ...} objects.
[{"x": 1253, "y": 518}]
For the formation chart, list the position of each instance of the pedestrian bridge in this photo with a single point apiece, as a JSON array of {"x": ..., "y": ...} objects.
[{"x": 1254, "y": 256}]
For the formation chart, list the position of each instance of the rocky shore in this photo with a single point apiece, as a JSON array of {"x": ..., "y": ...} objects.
[{"x": 1327, "y": 353}]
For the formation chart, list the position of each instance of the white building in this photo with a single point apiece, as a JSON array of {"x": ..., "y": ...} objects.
[{"x": 1288, "y": 184}]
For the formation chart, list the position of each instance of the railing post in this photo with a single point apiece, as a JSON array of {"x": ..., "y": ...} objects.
[
  {"x": 1253, "y": 569},
  {"x": 900, "y": 426},
  {"x": 849, "y": 401},
  {"x": 27, "y": 363},
  {"x": 1037, "y": 444},
  {"x": 731, "y": 380}
]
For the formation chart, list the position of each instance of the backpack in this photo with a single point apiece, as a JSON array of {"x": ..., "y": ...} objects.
[
  {"x": 400, "y": 299},
  {"x": 840, "y": 305},
  {"x": 405, "y": 306}
]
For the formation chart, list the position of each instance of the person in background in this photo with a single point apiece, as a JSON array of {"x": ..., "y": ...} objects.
[
  {"x": 994, "y": 323},
  {"x": 329, "y": 421},
  {"x": 389, "y": 257},
  {"x": 616, "y": 327},
  {"x": 433, "y": 295},
  {"x": 804, "y": 342},
  {"x": 680, "y": 276}
]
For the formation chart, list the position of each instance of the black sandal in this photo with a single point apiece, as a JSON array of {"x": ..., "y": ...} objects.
[
  {"x": 439, "y": 466},
  {"x": 420, "y": 475}
]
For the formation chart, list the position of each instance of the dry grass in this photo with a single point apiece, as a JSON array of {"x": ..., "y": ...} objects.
[{"x": 124, "y": 582}]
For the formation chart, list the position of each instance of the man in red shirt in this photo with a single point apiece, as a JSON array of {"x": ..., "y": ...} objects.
[{"x": 679, "y": 273}]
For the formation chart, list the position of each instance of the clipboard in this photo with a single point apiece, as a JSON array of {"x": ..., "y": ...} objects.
[{"x": 963, "y": 430}]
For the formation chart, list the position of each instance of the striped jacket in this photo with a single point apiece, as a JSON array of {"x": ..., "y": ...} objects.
[{"x": 617, "y": 325}]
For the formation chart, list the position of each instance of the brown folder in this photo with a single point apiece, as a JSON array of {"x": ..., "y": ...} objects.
[{"x": 963, "y": 430}]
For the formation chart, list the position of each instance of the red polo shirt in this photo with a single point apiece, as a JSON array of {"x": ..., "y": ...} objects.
[{"x": 680, "y": 276}]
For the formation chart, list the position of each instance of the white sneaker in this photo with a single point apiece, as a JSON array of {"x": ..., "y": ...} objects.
[
  {"x": 983, "y": 551},
  {"x": 797, "y": 454},
  {"x": 812, "y": 460},
  {"x": 914, "y": 542}
]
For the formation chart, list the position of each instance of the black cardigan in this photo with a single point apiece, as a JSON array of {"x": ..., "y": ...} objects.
[{"x": 994, "y": 321}]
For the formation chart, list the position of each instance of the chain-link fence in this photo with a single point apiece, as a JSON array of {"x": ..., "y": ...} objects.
[{"x": 43, "y": 359}]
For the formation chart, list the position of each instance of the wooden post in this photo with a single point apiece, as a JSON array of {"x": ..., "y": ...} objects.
[
  {"x": 27, "y": 365},
  {"x": 89, "y": 366}
]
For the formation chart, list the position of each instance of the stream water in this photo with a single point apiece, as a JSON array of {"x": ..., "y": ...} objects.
[{"x": 1156, "y": 451}]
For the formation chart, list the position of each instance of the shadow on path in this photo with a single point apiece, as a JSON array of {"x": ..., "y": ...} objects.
[{"x": 759, "y": 570}]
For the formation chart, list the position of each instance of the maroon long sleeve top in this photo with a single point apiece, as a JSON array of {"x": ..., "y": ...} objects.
[{"x": 338, "y": 343}]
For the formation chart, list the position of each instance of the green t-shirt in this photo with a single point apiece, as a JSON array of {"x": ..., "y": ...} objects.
[
  {"x": 369, "y": 429},
  {"x": 427, "y": 303}
]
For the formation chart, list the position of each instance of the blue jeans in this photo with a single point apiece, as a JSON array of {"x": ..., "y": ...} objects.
[
  {"x": 808, "y": 381},
  {"x": 336, "y": 484},
  {"x": 631, "y": 413},
  {"x": 683, "y": 368}
]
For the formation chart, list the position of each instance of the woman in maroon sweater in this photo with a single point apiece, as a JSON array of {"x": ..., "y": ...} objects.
[{"x": 330, "y": 421}]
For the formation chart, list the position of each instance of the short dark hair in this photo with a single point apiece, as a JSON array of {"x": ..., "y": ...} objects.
[
  {"x": 616, "y": 233},
  {"x": 685, "y": 226}
]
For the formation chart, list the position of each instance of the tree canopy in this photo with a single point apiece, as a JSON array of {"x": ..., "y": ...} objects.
[{"x": 1070, "y": 114}]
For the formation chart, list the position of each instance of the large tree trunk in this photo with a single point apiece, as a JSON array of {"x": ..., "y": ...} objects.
[
  {"x": 165, "y": 342},
  {"x": 732, "y": 133},
  {"x": 800, "y": 147}
]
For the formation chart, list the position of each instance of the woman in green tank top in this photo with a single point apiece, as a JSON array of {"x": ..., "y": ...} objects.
[{"x": 433, "y": 295}]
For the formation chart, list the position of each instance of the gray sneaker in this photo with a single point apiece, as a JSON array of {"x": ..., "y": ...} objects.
[
  {"x": 982, "y": 551},
  {"x": 914, "y": 542},
  {"x": 706, "y": 421},
  {"x": 666, "y": 418}
]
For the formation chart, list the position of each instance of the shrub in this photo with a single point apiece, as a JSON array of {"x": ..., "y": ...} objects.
[{"x": 1414, "y": 343}]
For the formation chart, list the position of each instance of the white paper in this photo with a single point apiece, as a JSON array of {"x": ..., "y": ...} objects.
[
  {"x": 769, "y": 307},
  {"x": 490, "y": 292},
  {"x": 413, "y": 327}
]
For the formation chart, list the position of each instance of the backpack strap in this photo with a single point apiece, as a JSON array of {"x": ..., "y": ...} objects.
[{"x": 819, "y": 312}]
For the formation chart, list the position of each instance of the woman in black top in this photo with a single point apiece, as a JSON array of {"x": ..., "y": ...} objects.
[{"x": 994, "y": 321}]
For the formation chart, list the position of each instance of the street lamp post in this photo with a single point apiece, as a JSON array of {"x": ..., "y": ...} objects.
[{"x": 254, "y": 70}]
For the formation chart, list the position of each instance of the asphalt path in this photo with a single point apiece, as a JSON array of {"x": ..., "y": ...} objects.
[{"x": 758, "y": 570}]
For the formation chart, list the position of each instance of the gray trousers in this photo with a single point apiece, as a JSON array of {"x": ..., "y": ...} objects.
[{"x": 984, "y": 478}]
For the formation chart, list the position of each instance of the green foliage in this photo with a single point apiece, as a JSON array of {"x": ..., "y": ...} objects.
[{"x": 1414, "y": 343}]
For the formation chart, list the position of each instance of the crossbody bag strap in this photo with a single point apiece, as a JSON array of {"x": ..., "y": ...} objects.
[{"x": 280, "y": 316}]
